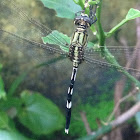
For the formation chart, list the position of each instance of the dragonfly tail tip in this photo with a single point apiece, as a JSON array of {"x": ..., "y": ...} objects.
[{"x": 66, "y": 131}]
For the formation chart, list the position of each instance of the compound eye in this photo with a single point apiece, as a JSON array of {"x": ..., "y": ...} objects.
[{"x": 77, "y": 22}]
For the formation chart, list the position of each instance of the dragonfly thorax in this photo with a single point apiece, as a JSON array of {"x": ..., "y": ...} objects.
[{"x": 78, "y": 43}]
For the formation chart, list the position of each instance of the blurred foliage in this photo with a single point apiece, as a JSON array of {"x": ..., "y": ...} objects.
[
  {"x": 2, "y": 91},
  {"x": 93, "y": 113},
  {"x": 31, "y": 110},
  {"x": 138, "y": 116},
  {"x": 40, "y": 115},
  {"x": 5, "y": 135},
  {"x": 35, "y": 112},
  {"x": 65, "y": 10}
]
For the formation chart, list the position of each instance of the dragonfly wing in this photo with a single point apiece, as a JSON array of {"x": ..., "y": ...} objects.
[
  {"x": 117, "y": 51},
  {"x": 21, "y": 23},
  {"x": 34, "y": 49},
  {"x": 104, "y": 64},
  {"x": 123, "y": 55}
]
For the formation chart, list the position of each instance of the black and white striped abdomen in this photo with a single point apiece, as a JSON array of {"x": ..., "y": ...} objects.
[{"x": 69, "y": 99}]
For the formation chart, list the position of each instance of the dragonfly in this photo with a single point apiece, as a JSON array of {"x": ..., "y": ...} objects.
[{"x": 61, "y": 47}]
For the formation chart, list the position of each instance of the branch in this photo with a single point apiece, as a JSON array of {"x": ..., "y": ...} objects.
[
  {"x": 120, "y": 101},
  {"x": 126, "y": 116},
  {"x": 114, "y": 124},
  {"x": 85, "y": 121},
  {"x": 99, "y": 26}
]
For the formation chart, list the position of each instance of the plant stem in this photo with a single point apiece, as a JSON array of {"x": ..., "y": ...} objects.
[
  {"x": 102, "y": 38},
  {"x": 99, "y": 26},
  {"x": 108, "y": 34}
]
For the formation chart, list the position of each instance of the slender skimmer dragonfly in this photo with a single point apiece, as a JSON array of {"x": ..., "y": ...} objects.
[{"x": 26, "y": 42}]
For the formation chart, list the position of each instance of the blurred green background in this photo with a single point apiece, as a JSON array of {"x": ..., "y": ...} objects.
[{"x": 94, "y": 89}]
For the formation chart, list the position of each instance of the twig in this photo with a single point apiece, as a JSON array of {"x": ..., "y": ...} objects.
[
  {"x": 114, "y": 124},
  {"x": 84, "y": 118},
  {"x": 119, "y": 102},
  {"x": 126, "y": 116}
]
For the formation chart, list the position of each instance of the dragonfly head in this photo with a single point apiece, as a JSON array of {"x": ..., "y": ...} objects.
[{"x": 82, "y": 20}]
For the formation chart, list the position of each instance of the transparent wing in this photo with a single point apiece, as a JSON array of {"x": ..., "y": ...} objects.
[
  {"x": 34, "y": 50},
  {"x": 104, "y": 63},
  {"x": 19, "y": 22},
  {"x": 23, "y": 25},
  {"x": 27, "y": 31},
  {"x": 125, "y": 56},
  {"x": 119, "y": 52}
]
